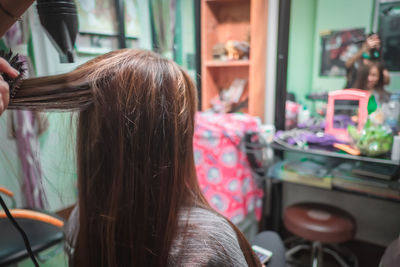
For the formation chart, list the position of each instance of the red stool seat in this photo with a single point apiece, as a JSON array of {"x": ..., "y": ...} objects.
[{"x": 319, "y": 222}]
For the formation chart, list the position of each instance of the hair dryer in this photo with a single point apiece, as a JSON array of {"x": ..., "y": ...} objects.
[{"x": 60, "y": 20}]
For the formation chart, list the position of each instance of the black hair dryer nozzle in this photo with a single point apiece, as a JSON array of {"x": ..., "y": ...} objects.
[{"x": 60, "y": 20}]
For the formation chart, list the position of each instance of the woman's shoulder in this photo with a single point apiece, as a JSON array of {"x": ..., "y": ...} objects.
[
  {"x": 205, "y": 238},
  {"x": 204, "y": 215},
  {"x": 207, "y": 224}
]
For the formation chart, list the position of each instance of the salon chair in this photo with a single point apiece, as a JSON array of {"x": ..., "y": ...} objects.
[
  {"x": 391, "y": 256},
  {"x": 43, "y": 231},
  {"x": 319, "y": 228},
  {"x": 271, "y": 241}
]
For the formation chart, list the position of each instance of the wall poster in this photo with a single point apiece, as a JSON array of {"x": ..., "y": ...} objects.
[{"x": 337, "y": 47}]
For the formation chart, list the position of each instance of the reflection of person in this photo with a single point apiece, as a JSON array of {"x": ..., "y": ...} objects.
[
  {"x": 139, "y": 199},
  {"x": 10, "y": 11},
  {"x": 368, "y": 53},
  {"x": 370, "y": 77}
]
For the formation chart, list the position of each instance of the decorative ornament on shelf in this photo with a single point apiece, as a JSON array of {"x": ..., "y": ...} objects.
[{"x": 237, "y": 50}]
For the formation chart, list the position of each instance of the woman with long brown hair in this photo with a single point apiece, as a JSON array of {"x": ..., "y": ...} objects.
[
  {"x": 370, "y": 77},
  {"x": 139, "y": 201}
]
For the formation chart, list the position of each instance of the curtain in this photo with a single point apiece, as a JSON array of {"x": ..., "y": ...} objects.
[
  {"x": 162, "y": 18},
  {"x": 25, "y": 126}
]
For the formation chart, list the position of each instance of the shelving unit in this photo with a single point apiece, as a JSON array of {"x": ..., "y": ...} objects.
[
  {"x": 383, "y": 160},
  {"x": 354, "y": 183},
  {"x": 237, "y": 63},
  {"x": 239, "y": 20}
]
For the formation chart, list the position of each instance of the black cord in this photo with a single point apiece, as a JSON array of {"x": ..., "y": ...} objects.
[{"x": 21, "y": 231}]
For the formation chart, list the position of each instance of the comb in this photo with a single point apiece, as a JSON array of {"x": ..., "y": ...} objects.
[{"x": 16, "y": 63}]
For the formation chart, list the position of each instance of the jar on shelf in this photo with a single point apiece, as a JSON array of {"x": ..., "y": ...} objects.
[{"x": 392, "y": 112}]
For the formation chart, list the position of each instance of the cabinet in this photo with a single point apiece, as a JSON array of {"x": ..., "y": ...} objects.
[
  {"x": 366, "y": 176},
  {"x": 239, "y": 20}
]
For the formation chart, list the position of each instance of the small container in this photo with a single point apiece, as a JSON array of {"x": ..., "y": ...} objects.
[
  {"x": 396, "y": 148},
  {"x": 268, "y": 133},
  {"x": 304, "y": 115},
  {"x": 392, "y": 112}
]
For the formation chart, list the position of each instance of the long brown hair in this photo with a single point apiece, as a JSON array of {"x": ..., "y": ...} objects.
[
  {"x": 362, "y": 80},
  {"x": 134, "y": 154},
  {"x": 362, "y": 76}
]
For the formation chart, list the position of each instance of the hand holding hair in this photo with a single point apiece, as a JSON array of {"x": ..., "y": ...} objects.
[
  {"x": 5, "y": 68},
  {"x": 58, "y": 92}
]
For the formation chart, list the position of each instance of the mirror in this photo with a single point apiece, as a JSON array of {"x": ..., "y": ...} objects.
[{"x": 324, "y": 34}]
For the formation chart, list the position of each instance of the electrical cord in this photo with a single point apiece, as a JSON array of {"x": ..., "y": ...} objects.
[{"x": 21, "y": 231}]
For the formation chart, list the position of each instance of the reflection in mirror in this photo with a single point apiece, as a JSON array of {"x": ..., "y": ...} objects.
[{"x": 323, "y": 36}]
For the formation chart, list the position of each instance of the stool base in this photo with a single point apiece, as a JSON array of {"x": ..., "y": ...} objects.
[{"x": 343, "y": 257}]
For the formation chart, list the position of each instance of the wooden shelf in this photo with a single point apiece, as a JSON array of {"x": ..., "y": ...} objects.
[
  {"x": 236, "y": 63},
  {"x": 223, "y": 1},
  {"x": 237, "y": 20}
]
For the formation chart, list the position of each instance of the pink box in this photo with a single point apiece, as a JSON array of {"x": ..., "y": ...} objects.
[{"x": 361, "y": 96}]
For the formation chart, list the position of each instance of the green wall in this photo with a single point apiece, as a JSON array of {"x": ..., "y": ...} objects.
[
  {"x": 337, "y": 15},
  {"x": 9, "y": 162},
  {"x": 57, "y": 157},
  {"x": 186, "y": 46},
  {"x": 301, "y": 48}
]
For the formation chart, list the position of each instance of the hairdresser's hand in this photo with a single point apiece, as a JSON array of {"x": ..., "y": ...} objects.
[
  {"x": 373, "y": 42},
  {"x": 4, "y": 89}
]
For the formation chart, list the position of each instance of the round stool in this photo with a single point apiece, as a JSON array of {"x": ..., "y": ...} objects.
[{"x": 321, "y": 224}]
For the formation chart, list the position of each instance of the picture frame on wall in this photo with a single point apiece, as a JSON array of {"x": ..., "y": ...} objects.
[
  {"x": 97, "y": 16},
  {"x": 337, "y": 47},
  {"x": 98, "y": 26},
  {"x": 98, "y": 44}
]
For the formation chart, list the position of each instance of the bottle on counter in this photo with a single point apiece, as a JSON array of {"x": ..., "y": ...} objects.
[
  {"x": 304, "y": 115},
  {"x": 396, "y": 148},
  {"x": 392, "y": 112}
]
